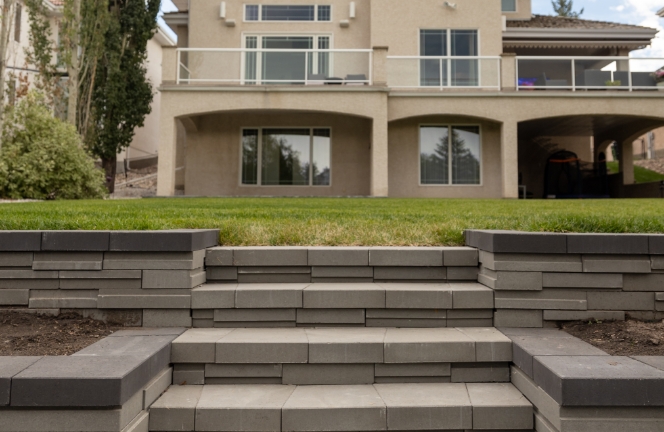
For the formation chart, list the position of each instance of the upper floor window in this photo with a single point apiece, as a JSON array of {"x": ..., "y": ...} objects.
[
  {"x": 288, "y": 12},
  {"x": 509, "y": 5},
  {"x": 442, "y": 71}
]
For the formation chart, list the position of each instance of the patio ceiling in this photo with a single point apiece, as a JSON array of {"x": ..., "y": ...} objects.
[{"x": 614, "y": 127}]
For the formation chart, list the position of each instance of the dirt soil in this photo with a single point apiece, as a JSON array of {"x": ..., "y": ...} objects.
[
  {"x": 656, "y": 165},
  {"x": 27, "y": 334},
  {"x": 621, "y": 338},
  {"x": 138, "y": 188}
]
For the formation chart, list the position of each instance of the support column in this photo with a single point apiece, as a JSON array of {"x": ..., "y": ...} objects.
[
  {"x": 510, "y": 159},
  {"x": 167, "y": 150},
  {"x": 379, "y": 156},
  {"x": 508, "y": 72},
  {"x": 627, "y": 162},
  {"x": 379, "y": 66}
]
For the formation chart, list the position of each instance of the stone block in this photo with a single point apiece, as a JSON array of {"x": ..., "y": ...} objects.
[
  {"x": 470, "y": 314},
  {"x": 643, "y": 282},
  {"x": 624, "y": 301},
  {"x": 242, "y": 381},
  {"x": 75, "y": 241},
  {"x": 274, "y": 270},
  {"x": 336, "y": 280},
  {"x": 498, "y": 241},
  {"x": 659, "y": 296},
  {"x": 12, "y": 297},
  {"x": 22, "y": 274},
  {"x": 490, "y": 344},
  {"x": 349, "y": 408},
  {"x": 469, "y": 322},
  {"x": 407, "y": 345},
  {"x": 173, "y": 278},
  {"x": 202, "y": 323},
  {"x": 616, "y": 264},
  {"x": 95, "y": 283},
  {"x": 407, "y": 314},
  {"x": 253, "y": 324},
  {"x": 41, "y": 284},
  {"x": 150, "y": 331},
  {"x": 344, "y": 296},
  {"x": 124, "y": 317},
  {"x": 166, "y": 318},
  {"x": 426, "y": 406},
  {"x": 269, "y": 345},
  {"x": 413, "y": 370},
  {"x": 657, "y": 262},
  {"x": 154, "y": 260},
  {"x": 140, "y": 423},
  {"x": 269, "y": 296},
  {"x": 102, "y": 274},
  {"x": 582, "y": 280},
  {"x": 546, "y": 299},
  {"x": 406, "y": 257},
  {"x": 9, "y": 367},
  {"x": 345, "y": 345},
  {"x": 328, "y": 374},
  {"x": 342, "y": 272},
  {"x": 144, "y": 299},
  {"x": 175, "y": 410},
  {"x": 561, "y": 315},
  {"x": 460, "y": 257},
  {"x": 63, "y": 299},
  {"x": 189, "y": 374},
  {"x": 219, "y": 256},
  {"x": 178, "y": 240},
  {"x": 270, "y": 256},
  {"x": 406, "y": 323},
  {"x": 68, "y": 261},
  {"x": 330, "y": 316},
  {"x": 462, "y": 273},
  {"x": 277, "y": 278},
  {"x": 471, "y": 296},
  {"x": 17, "y": 241},
  {"x": 16, "y": 259},
  {"x": 417, "y": 296},
  {"x": 413, "y": 380},
  {"x": 608, "y": 244},
  {"x": 480, "y": 372},
  {"x": 410, "y": 273},
  {"x": 246, "y": 315},
  {"x": 599, "y": 381},
  {"x": 243, "y": 370},
  {"x": 518, "y": 318},
  {"x": 213, "y": 296},
  {"x": 532, "y": 262},
  {"x": 499, "y": 406},
  {"x": 196, "y": 346},
  {"x": 527, "y": 348},
  {"x": 338, "y": 256},
  {"x": 157, "y": 386},
  {"x": 202, "y": 313},
  {"x": 545, "y": 404},
  {"x": 510, "y": 281},
  {"x": 221, "y": 273},
  {"x": 242, "y": 407}
]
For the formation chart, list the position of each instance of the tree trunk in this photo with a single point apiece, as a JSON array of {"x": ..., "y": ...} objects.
[
  {"x": 110, "y": 167},
  {"x": 5, "y": 26},
  {"x": 74, "y": 66}
]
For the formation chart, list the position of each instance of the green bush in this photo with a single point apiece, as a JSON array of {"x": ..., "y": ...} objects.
[{"x": 43, "y": 157}]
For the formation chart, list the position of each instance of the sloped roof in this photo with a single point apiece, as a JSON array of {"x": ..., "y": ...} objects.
[{"x": 550, "y": 22}]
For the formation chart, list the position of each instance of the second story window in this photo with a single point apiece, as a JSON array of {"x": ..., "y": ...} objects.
[
  {"x": 287, "y": 13},
  {"x": 447, "y": 67},
  {"x": 509, "y": 5}
]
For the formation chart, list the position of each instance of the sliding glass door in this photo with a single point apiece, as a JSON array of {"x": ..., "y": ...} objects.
[{"x": 445, "y": 69}]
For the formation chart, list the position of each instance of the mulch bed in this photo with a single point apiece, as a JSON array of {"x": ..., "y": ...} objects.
[
  {"x": 28, "y": 334},
  {"x": 621, "y": 338}
]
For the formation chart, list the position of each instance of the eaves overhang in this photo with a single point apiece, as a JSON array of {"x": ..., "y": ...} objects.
[
  {"x": 176, "y": 18},
  {"x": 556, "y": 37}
]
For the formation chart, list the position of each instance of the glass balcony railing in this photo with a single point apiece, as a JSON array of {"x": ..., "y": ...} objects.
[
  {"x": 273, "y": 67},
  {"x": 588, "y": 73},
  {"x": 444, "y": 72}
]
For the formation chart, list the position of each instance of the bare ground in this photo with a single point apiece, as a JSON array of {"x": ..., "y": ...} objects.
[
  {"x": 621, "y": 338},
  {"x": 656, "y": 165},
  {"x": 28, "y": 334}
]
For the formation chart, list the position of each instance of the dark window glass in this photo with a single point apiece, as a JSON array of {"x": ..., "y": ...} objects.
[
  {"x": 509, "y": 6},
  {"x": 464, "y": 72},
  {"x": 321, "y": 157},
  {"x": 286, "y": 157},
  {"x": 433, "y": 43},
  {"x": 250, "y": 156},
  {"x": 251, "y": 12},
  {"x": 434, "y": 155},
  {"x": 465, "y": 143},
  {"x": 288, "y": 13},
  {"x": 324, "y": 13}
]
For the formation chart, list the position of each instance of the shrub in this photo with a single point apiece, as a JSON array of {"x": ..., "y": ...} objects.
[{"x": 43, "y": 157}]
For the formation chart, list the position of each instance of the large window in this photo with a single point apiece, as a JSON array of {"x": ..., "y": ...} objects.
[
  {"x": 450, "y": 155},
  {"x": 286, "y": 157},
  {"x": 445, "y": 72},
  {"x": 509, "y": 5},
  {"x": 287, "y": 13}
]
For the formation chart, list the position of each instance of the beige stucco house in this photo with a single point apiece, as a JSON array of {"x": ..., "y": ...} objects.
[{"x": 417, "y": 98}]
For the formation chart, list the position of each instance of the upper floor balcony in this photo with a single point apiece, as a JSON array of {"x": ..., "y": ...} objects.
[{"x": 341, "y": 68}]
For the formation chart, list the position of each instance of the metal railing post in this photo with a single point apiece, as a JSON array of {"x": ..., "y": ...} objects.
[
  {"x": 177, "y": 66},
  {"x": 440, "y": 73},
  {"x": 573, "y": 75}
]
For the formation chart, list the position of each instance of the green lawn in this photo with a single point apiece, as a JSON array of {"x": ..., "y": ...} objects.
[
  {"x": 641, "y": 175},
  {"x": 339, "y": 221}
]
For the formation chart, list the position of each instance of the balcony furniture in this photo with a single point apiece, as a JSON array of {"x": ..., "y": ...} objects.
[
  {"x": 334, "y": 81},
  {"x": 316, "y": 79},
  {"x": 543, "y": 81},
  {"x": 595, "y": 78},
  {"x": 356, "y": 80},
  {"x": 643, "y": 79}
]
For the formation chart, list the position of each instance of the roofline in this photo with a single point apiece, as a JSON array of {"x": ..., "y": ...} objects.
[
  {"x": 639, "y": 34},
  {"x": 176, "y": 18},
  {"x": 661, "y": 12},
  {"x": 163, "y": 38}
]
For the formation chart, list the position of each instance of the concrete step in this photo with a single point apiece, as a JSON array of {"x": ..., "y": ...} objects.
[
  {"x": 353, "y": 304},
  {"x": 340, "y": 356},
  {"x": 400, "y": 407}
]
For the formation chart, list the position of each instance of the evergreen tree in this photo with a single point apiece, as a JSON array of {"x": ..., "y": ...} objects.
[
  {"x": 565, "y": 8},
  {"x": 122, "y": 95}
]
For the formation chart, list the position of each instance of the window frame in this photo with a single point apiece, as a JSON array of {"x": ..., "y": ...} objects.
[
  {"x": 259, "y": 173},
  {"x": 516, "y": 8},
  {"x": 449, "y": 126},
  {"x": 448, "y": 49},
  {"x": 260, "y": 13}
]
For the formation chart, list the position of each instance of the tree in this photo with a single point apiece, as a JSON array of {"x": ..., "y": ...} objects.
[
  {"x": 7, "y": 12},
  {"x": 41, "y": 51},
  {"x": 565, "y": 8},
  {"x": 122, "y": 95}
]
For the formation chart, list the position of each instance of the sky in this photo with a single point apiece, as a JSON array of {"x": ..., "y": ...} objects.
[{"x": 639, "y": 12}]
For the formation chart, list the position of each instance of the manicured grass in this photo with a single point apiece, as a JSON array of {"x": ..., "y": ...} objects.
[
  {"x": 641, "y": 175},
  {"x": 338, "y": 221}
]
